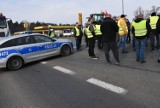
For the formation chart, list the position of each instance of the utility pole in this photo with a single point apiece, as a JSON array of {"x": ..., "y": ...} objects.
[{"x": 122, "y": 7}]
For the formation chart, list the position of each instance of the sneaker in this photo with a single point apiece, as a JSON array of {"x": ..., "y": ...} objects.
[
  {"x": 124, "y": 51},
  {"x": 152, "y": 50},
  {"x": 137, "y": 60},
  {"x": 143, "y": 61},
  {"x": 117, "y": 63},
  {"x": 108, "y": 63},
  {"x": 94, "y": 58},
  {"x": 134, "y": 49}
]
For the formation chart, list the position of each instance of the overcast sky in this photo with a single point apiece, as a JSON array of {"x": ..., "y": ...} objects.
[{"x": 66, "y": 11}]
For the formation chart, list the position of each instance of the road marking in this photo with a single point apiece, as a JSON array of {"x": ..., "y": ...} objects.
[
  {"x": 64, "y": 70},
  {"x": 43, "y": 62},
  {"x": 107, "y": 86}
]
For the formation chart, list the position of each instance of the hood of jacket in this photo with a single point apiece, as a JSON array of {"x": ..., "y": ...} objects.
[{"x": 138, "y": 20}]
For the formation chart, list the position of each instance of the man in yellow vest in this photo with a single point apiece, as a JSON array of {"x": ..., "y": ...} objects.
[
  {"x": 153, "y": 21},
  {"x": 140, "y": 29},
  {"x": 51, "y": 33},
  {"x": 123, "y": 31},
  {"x": 77, "y": 35},
  {"x": 90, "y": 32},
  {"x": 98, "y": 34}
]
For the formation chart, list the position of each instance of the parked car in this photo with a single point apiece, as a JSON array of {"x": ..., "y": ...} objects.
[
  {"x": 67, "y": 32},
  {"x": 21, "y": 49}
]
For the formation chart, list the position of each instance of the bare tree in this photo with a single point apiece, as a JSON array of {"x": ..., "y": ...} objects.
[
  {"x": 139, "y": 11},
  {"x": 155, "y": 9},
  {"x": 147, "y": 13}
]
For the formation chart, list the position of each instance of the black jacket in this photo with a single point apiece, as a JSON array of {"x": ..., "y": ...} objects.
[
  {"x": 109, "y": 29},
  {"x": 147, "y": 26},
  {"x": 158, "y": 26}
]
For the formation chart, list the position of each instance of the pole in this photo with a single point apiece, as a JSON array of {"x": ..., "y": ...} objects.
[{"x": 122, "y": 7}]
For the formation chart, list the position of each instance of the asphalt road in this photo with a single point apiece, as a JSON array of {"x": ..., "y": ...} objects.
[{"x": 77, "y": 81}]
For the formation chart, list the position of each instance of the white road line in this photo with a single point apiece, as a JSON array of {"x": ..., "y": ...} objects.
[
  {"x": 107, "y": 86},
  {"x": 44, "y": 62},
  {"x": 64, "y": 70}
]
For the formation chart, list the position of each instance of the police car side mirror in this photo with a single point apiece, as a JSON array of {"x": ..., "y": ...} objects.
[{"x": 53, "y": 39}]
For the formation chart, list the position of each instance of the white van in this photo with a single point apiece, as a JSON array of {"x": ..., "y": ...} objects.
[{"x": 67, "y": 32}]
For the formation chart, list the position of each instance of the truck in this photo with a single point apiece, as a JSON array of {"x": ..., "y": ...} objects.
[
  {"x": 4, "y": 27},
  {"x": 97, "y": 16},
  {"x": 100, "y": 16}
]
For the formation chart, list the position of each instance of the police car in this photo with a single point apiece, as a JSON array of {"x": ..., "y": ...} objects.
[{"x": 21, "y": 49}]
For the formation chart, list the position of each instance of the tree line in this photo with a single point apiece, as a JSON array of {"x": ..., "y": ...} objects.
[{"x": 17, "y": 27}]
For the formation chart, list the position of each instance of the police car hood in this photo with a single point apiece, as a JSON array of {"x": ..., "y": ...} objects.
[{"x": 63, "y": 40}]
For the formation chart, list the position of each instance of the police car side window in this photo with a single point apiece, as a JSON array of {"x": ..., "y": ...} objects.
[
  {"x": 9, "y": 43},
  {"x": 18, "y": 41},
  {"x": 41, "y": 39},
  {"x": 24, "y": 40}
]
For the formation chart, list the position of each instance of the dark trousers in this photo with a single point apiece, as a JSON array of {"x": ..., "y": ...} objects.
[
  {"x": 99, "y": 38},
  {"x": 133, "y": 42},
  {"x": 91, "y": 42},
  {"x": 113, "y": 46},
  {"x": 152, "y": 38},
  {"x": 86, "y": 40},
  {"x": 78, "y": 42},
  {"x": 128, "y": 37}
]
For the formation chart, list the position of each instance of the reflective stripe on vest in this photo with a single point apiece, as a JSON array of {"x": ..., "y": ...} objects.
[
  {"x": 97, "y": 30},
  {"x": 140, "y": 28},
  {"x": 153, "y": 21},
  {"x": 120, "y": 28},
  {"x": 88, "y": 32},
  {"x": 77, "y": 31}
]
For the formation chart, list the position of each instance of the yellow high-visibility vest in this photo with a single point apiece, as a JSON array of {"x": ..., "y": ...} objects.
[
  {"x": 140, "y": 28},
  {"x": 153, "y": 21},
  {"x": 52, "y": 34},
  {"x": 97, "y": 29},
  {"x": 121, "y": 32},
  {"x": 89, "y": 33},
  {"x": 77, "y": 31}
]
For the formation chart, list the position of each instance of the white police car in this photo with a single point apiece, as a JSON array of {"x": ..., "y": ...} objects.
[{"x": 18, "y": 50}]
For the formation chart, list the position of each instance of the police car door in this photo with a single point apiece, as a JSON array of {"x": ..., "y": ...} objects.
[
  {"x": 27, "y": 48},
  {"x": 45, "y": 44},
  {"x": 22, "y": 47}
]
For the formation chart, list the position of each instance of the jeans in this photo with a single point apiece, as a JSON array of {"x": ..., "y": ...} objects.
[
  {"x": 78, "y": 42},
  {"x": 122, "y": 41},
  {"x": 140, "y": 47}
]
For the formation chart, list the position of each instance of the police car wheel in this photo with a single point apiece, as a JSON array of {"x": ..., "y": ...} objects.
[
  {"x": 14, "y": 63},
  {"x": 65, "y": 50}
]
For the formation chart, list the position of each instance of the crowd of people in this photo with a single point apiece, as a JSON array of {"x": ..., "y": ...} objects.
[{"x": 113, "y": 34}]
